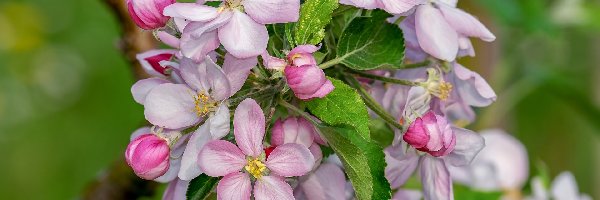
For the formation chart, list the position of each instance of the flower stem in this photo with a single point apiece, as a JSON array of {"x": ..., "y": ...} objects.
[
  {"x": 383, "y": 78},
  {"x": 330, "y": 63},
  {"x": 372, "y": 104}
]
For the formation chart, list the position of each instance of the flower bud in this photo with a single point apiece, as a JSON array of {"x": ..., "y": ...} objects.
[
  {"x": 302, "y": 55},
  {"x": 308, "y": 81},
  {"x": 148, "y": 156},
  {"x": 154, "y": 61},
  {"x": 432, "y": 134},
  {"x": 148, "y": 14}
]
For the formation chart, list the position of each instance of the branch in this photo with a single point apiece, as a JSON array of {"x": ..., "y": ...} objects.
[
  {"x": 134, "y": 40},
  {"x": 119, "y": 181}
]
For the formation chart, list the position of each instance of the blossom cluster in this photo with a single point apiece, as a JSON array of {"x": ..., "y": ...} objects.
[{"x": 216, "y": 111}]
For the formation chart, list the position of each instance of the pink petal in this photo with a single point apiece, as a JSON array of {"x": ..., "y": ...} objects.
[
  {"x": 400, "y": 6},
  {"x": 219, "y": 122},
  {"x": 434, "y": 34},
  {"x": 138, "y": 132},
  {"x": 140, "y": 89},
  {"x": 272, "y": 188},
  {"x": 237, "y": 70},
  {"x": 171, "y": 174},
  {"x": 366, "y": 4},
  {"x": 249, "y": 127},
  {"x": 303, "y": 49},
  {"x": 468, "y": 144},
  {"x": 413, "y": 52},
  {"x": 243, "y": 37},
  {"x": 200, "y": 38},
  {"x": 435, "y": 178},
  {"x": 171, "y": 106},
  {"x": 272, "y": 11},
  {"x": 416, "y": 135},
  {"x": 191, "y": 11},
  {"x": 219, "y": 85},
  {"x": 466, "y": 24},
  {"x": 176, "y": 190},
  {"x": 400, "y": 165},
  {"x": 189, "y": 161},
  {"x": 168, "y": 39},
  {"x": 472, "y": 88},
  {"x": 327, "y": 182},
  {"x": 234, "y": 186},
  {"x": 403, "y": 194},
  {"x": 290, "y": 160},
  {"x": 220, "y": 157},
  {"x": 271, "y": 62},
  {"x": 315, "y": 150},
  {"x": 292, "y": 131}
]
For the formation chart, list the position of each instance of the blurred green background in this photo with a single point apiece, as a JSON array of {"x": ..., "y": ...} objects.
[{"x": 66, "y": 112}]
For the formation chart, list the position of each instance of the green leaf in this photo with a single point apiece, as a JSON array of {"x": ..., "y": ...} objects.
[
  {"x": 363, "y": 159},
  {"x": 201, "y": 187},
  {"x": 381, "y": 132},
  {"x": 314, "y": 16},
  {"x": 370, "y": 43},
  {"x": 342, "y": 106}
]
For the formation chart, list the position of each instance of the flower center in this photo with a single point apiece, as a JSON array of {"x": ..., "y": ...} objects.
[
  {"x": 204, "y": 104},
  {"x": 436, "y": 86},
  {"x": 255, "y": 167},
  {"x": 231, "y": 4}
]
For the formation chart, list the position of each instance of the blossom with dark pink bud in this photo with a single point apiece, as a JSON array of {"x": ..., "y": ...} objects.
[
  {"x": 148, "y": 156},
  {"x": 431, "y": 133},
  {"x": 303, "y": 75},
  {"x": 147, "y": 14}
]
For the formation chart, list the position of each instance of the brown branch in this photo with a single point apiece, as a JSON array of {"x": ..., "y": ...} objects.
[
  {"x": 134, "y": 40},
  {"x": 119, "y": 181}
]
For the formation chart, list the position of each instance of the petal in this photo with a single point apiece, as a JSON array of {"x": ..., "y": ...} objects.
[
  {"x": 434, "y": 34},
  {"x": 366, "y": 4},
  {"x": 243, "y": 37},
  {"x": 272, "y": 188},
  {"x": 468, "y": 144},
  {"x": 150, "y": 61},
  {"x": 236, "y": 186},
  {"x": 220, "y": 157},
  {"x": 271, "y": 62},
  {"x": 176, "y": 190},
  {"x": 191, "y": 11},
  {"x": 414, "y": 53},
  {"x": 272, "y": 11},
  {"x": 290, "y": 160},
  {"x": 315, "y": 150},
  {"x": 327, "y": 182},
  {"x": 140, "y": 89},
  {"x": 189, "y": 160},
  {"x": 400, "y": 6},
  {"x": 171, "y": 106},
  {"x": 417, "y": 103},
  {"x": 217, "y": 80},
  {"x": 237, "y": 70},
  {"x": 538, "y": 189},
  {"x": 171, "y": 174},
  {"x": 465, "y": 24},
  {"x": 194, "y": 75},
  {"x": 138, "y": 132},
  {"x": 303, "y": 49},
  {"x": 472, "y": 88},
  {"x": 219, "y": 123},
  {"x": 565, "y": 187},
  {"x": 435, "y": 178},
  {"x": 292, "y": 130},
  {"x": 197, "y": 47},
  {"x": 168, "y": 39},
  {"x": 249, "y": 127},
  {"x": 399, "y": 167},
  {"x": 403, "y": 194}
]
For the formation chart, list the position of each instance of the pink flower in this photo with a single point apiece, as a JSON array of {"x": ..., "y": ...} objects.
[
  {"x": 431, "y": 133},
  {"x": 300, "y": 131},
  {"x": 303, "y": 75},
  {"x": 237, "y": 24},
  {"x": 148, "y": 14},
  {"x": 442, "y": 31},
  {"x": 245, "y": 163},
  {"x": 148, "y": 156},
  {"x": 328, "y": 182}
]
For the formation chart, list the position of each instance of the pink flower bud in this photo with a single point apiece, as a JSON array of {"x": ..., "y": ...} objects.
[
  {"x": 148, "y": 156},
  {"x": 431, "y": 133},
  {"x": 153, "y": 61},
  {"x": 308, "y": 81},
  {"x": 302, "y": 55},
  {"x": 148, "y": 14}
]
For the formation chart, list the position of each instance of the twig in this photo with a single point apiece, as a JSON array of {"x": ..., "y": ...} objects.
[{"x": 372, "y": 104}]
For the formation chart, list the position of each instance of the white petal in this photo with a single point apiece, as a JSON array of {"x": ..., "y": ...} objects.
[{"x": 189, "y": 161}]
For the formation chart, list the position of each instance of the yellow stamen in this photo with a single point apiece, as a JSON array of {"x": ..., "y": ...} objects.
[
  {"x": 255, "y": 167},
  {"x": 204, "y": 104}
]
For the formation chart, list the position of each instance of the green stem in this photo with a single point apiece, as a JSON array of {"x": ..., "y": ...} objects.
[
  {"x": 330, "y": 63},
  {"x": 415, "y": 65},
  {"x": 383, "y": 78},
  {"x": 298, "y": 111},
  {"x": 372, "y": 104}
]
